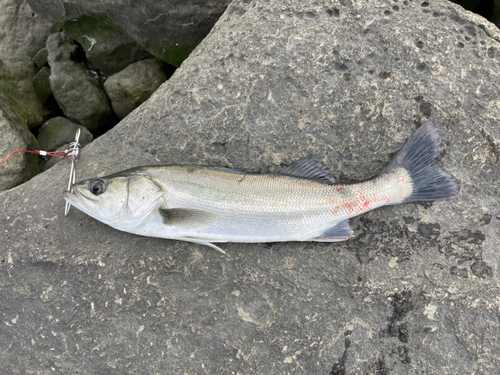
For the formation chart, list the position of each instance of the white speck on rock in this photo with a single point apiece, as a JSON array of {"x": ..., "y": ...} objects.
[{"x": 430, "y": 311}]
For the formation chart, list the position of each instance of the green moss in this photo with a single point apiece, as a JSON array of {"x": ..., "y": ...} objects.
[
  {"x": 13, "y": 96},
  {"x": 106, "y": 45},
  {"x": 35, "y": 168},
  {"x": 172, "y": 54},
  {"x": 13, "y": 117},
  {"x": 112, "y": 49},
  {"x": 17, "y": 86}
]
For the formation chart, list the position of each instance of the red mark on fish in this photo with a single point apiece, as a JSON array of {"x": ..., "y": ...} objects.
[
  {"x": 365, "y": 203},
  {"x": 358, "y": 205}
]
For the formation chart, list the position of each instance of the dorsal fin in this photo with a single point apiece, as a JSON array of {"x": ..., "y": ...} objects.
[
  {"x": 309, "y": 167},
  {"x": 229, "y": 170}
]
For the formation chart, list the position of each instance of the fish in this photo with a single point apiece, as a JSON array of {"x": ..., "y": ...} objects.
[{"x": 302, "y": 202}]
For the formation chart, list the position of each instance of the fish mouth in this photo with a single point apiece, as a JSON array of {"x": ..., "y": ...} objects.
[
  {"x": 76, "y": 201},
  {"x": 70, "y": 198}
]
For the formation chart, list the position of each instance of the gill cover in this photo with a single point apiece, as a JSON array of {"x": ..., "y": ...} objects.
[{"x": 143, "y": 195}]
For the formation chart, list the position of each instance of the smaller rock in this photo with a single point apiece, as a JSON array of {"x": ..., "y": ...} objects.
[
  {"x": 41, "y": 84},
  {"x": 40, "y": 58},
  {"x": 59, "y": 131},
  {"x": 79, "y": 95},
  {"x": 132, "y": 86}
]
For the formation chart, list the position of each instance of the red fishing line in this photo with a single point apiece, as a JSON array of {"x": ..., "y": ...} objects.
[{"x": 40, "y": 152}]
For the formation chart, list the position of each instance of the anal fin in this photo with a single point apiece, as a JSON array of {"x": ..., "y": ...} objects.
[{"x": 338, "y": 233}]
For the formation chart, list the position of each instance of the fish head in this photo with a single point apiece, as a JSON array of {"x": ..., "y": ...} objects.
[{"x": 121, "y": 201}]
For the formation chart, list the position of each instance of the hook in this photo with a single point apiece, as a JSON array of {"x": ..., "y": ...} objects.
[{"x": 72, "y": 154}]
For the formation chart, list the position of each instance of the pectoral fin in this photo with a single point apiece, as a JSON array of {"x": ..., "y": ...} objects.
[
  {"x": 187, "y": 218},
  {"x": 338, "y": 233}
]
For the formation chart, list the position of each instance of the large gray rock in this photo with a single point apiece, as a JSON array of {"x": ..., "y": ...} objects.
[
  {"x": 106, "y": 45},
  {"x": 132, "y": 86},
  {"x": 111, "y": 32},
  {"x": 15, "y": 135},
  {"x": 416, "y": 290},
  {"x": 79, "y": 94},
  {"x": 22, "y": 34}
]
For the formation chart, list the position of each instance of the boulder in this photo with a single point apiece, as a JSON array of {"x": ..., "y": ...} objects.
[
  {"x": 59, "y": 131},
  {"x": 40, "y": 59},
  {"x": 106, "y": 45},
  {"x": 41, "y": 84},
  {"x": 22, "y": 34},
  {"x": 415, "y": 290},
  {"x": 115, "y": 35},
  {"x": 78, "y": 93},
  {"x": 132, "y": 86},
  {"x": 15, "y": 135}
]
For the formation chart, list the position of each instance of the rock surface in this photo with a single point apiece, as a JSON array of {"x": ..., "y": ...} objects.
[
  {"x": 106, "y": 45},
  {"x": 59, "y": 131},
  {"x": 79, "y": 94},
  {"x": 416, "y": 290},
  {"x": 15, "y": 135},
  {"x": 22, "y": 35},
  {"x": 168, "y": 29},
  {"x": 132, "y": 86},
  {"x": 40, "y": 58},
  {"x": 41, "y": 84}
]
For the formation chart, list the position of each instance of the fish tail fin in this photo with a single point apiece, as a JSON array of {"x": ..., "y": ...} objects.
[{"x": 426, "y": 182}]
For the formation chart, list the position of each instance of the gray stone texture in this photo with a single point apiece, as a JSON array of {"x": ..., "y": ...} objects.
[
  {"x": 120, "y": 32},
  {"x": 106, "y": 46},
  {"x": 78, "y": 93},
  {"x": 132, "y": 86},
  {"x": 22, "y": 35},
  {"x": 15, "y": 135},
  {"x": 416, "y": 290},
  {"x": 40, "y": 59},
  {"x": 59, "y": 131},
  {"x": 41, "y": 84}
]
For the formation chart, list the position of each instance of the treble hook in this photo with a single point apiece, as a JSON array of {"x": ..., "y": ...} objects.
[{"x": 72, "y": 153}]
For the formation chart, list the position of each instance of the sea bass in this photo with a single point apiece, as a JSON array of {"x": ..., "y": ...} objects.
[{"x": 302, "y": 202}]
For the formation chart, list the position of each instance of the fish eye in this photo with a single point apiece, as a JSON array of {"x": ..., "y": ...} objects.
[{"x": 97, "y": 187}]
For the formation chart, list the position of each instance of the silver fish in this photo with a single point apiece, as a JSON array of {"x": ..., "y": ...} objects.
[{"x": 207, "y": 205}]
